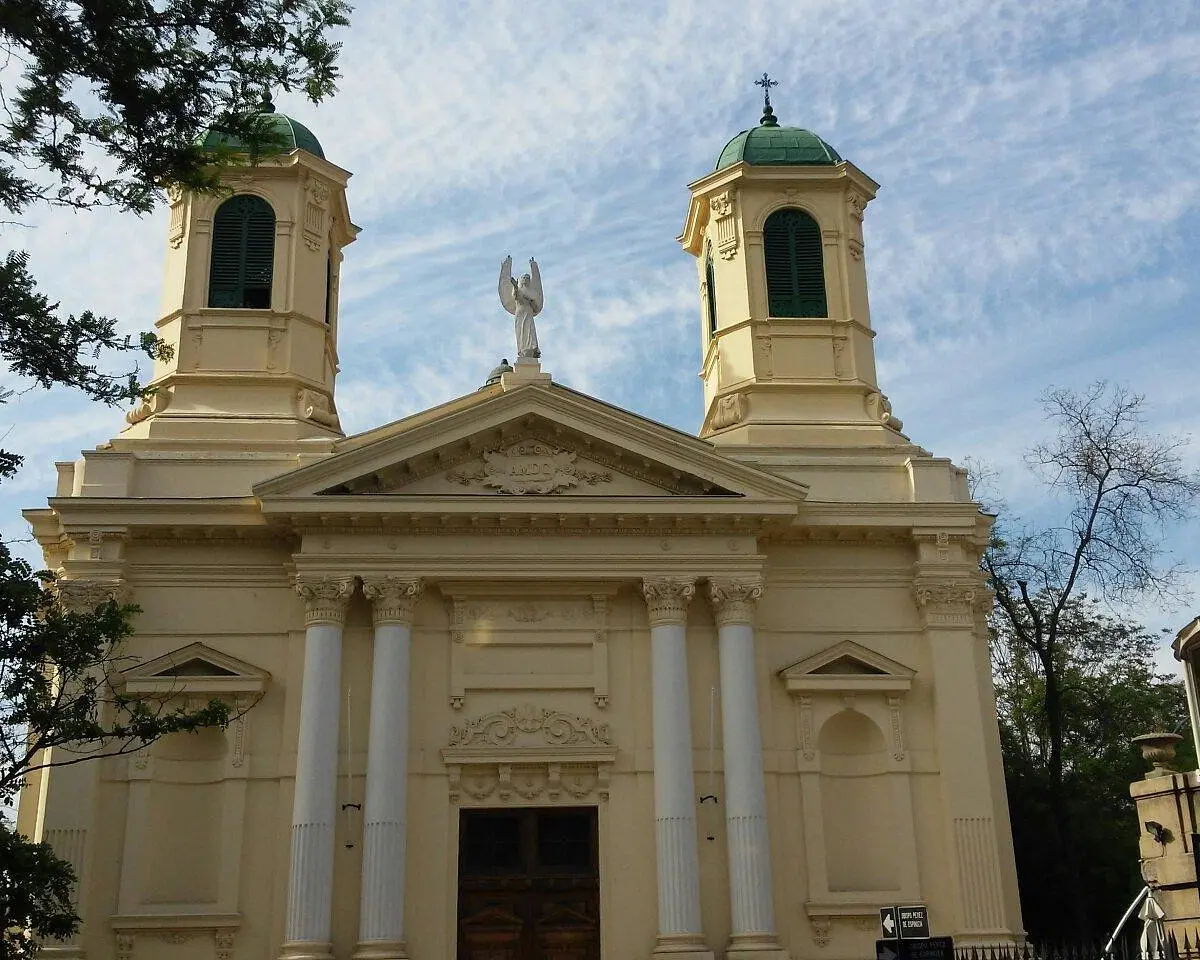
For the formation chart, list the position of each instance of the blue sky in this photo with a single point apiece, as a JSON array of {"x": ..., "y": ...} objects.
[{"x": 1038, "y": 224}]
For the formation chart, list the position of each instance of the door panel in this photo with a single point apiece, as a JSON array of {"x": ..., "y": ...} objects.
[{"x": 528, "y": 885}]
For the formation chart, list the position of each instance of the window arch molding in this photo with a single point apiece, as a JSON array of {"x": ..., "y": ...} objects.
[
  {"x": 784, "y": 203},
  {"x": 241, "y": 261}
]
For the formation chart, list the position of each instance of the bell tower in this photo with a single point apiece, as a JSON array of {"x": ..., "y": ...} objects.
[
  {"x": 250, "y": 299},
  {"x": 785, "y": 331}
]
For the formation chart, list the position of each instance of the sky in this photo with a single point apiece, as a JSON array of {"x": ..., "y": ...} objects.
[{"x": 1038, "y": 223}]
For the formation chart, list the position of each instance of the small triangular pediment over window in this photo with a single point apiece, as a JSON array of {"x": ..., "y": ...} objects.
[
  {"x": 195, "y": 669},
  {"x": 846, "y": 667}
]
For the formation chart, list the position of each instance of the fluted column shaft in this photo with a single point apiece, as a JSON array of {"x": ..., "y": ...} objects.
[
  {"x": 750, "y": 893},
  {"x": 381, "y": 914},
  {"x": 679, "y": 928},
  {"x": 314, "y": 807}
]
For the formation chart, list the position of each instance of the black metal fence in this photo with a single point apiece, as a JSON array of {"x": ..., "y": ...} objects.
[{"x": 1173, "y": 947}]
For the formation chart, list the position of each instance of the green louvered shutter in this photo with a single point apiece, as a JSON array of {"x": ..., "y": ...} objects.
[
  {"x": 795, "y": 271},
  {"x": 710, "y": 291},
  {"x": 243, "y": 254}
]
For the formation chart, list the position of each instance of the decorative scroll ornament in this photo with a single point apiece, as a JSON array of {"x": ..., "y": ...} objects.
[
  {"x": 84, "y": 596},
  {"x": 730, "y": 411},
  {"x": 667, "y": 599},
  {"x": 319, "y": 408},
  {"x": 393, "y": 599},
  {"x": 325, "y": 600},
  {"x": 529, "y": 466},
  {"x": 722, "y": 207},
  {"x": 505, "y": 727},
  {"x": 734, "y": 600}
]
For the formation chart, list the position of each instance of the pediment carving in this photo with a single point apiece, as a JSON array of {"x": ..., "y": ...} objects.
[
  {"x": 528, "y": 724},
  {"x": 528, "y": 466}
]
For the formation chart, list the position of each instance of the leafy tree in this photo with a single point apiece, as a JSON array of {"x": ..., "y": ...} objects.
[
  {"x": 1117, "y": 486},
  {"x": 104, "y": 104},
  {"x": 1111, "y": 692}
]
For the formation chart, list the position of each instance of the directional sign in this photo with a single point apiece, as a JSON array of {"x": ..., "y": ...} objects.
[
  {"x": 913, "y": 922},
  {"x": 887, "y": 922},
  {"x": 930, "y": 948}
]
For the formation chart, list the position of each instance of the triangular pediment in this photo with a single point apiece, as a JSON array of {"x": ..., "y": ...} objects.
[
  {"x": 535, "y": 442},
  {"x": 847, "y": 666},
  {"x": 195, "y": 668}
]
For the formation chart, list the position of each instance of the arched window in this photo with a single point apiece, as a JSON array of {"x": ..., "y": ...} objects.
[
  {"x": 710, "y": 290},
  {"x": 795, "y": 271},
  {"x": 243, "y": 254}
]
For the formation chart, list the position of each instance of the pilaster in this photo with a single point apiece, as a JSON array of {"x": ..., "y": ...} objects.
[{"x": 950, "y": 602}]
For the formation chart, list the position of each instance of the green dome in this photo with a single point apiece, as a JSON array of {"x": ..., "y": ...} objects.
[
  {"x": 770, "y": 145},
  {"x": 293, "y": 134}
]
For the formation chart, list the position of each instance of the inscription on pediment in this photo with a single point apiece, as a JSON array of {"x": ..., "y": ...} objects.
[{"x": 529, "y": 466}]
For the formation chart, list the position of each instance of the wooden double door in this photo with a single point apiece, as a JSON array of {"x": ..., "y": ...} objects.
[{"x": 529, "y": 884}]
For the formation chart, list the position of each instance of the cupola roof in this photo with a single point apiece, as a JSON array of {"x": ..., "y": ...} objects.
[
  {"x": 293, "y": 135},
  {"x": 770, "y": 145}
]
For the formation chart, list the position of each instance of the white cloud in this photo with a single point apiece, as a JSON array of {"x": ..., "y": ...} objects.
[{"x": 1037, "y": 225}]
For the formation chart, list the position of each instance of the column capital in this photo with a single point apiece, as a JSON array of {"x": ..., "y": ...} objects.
[
  {"x": 667, "y": 598},
  {"x": 325, "y": 598},
  {"x": 393, "y": 599},
  {"x": 950, "y": 601},
  {"x": 84, "y": 595},
  {"x": 734, "y": 599}
]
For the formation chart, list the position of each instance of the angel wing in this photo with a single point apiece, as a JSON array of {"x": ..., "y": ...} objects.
[
  {"x": 535, "y": 287},
  {"x": 508, "y": 296}
]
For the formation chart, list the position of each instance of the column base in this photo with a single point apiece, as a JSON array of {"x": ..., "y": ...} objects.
[
  {"x": 306, "y": 950},
  {"x": 756, "y": 946},
  {"x": 381, "y": 950},
  {"x": 682, "y": 948}
]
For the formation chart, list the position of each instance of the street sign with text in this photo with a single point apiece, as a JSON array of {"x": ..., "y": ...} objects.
[{"x": 913, "y": 922}]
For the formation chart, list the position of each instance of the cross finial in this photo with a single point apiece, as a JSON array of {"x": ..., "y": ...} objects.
[{"x": 768, "y": 117}]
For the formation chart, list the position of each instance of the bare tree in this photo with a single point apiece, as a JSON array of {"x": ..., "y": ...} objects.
[{"x": 1119, "y": 487}]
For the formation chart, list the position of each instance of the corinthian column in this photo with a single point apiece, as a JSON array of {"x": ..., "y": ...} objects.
[
  {"x": 381, "y": 915},
  {"x": 679, "y": 930},
  {"x": 750, "y": 895},
  {"x": 310, "y": 891}
]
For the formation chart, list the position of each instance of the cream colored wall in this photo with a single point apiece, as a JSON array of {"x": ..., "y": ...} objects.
[{"x": 236, "y": 598}]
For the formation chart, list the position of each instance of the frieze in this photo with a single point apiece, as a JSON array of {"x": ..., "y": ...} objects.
[
  {"x": 524, "y": 613},
  {"x": 552, "y": 727},
  {"x": 529, "y": 467}
]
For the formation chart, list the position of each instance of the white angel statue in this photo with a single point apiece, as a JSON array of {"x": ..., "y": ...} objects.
[{"x": 523, "y": 299}]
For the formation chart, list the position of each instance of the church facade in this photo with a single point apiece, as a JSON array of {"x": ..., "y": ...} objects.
[{"x": 526, "y": 675}]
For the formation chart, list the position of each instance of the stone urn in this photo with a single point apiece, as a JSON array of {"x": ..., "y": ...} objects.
[{"x": 1158, "y": 749}]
